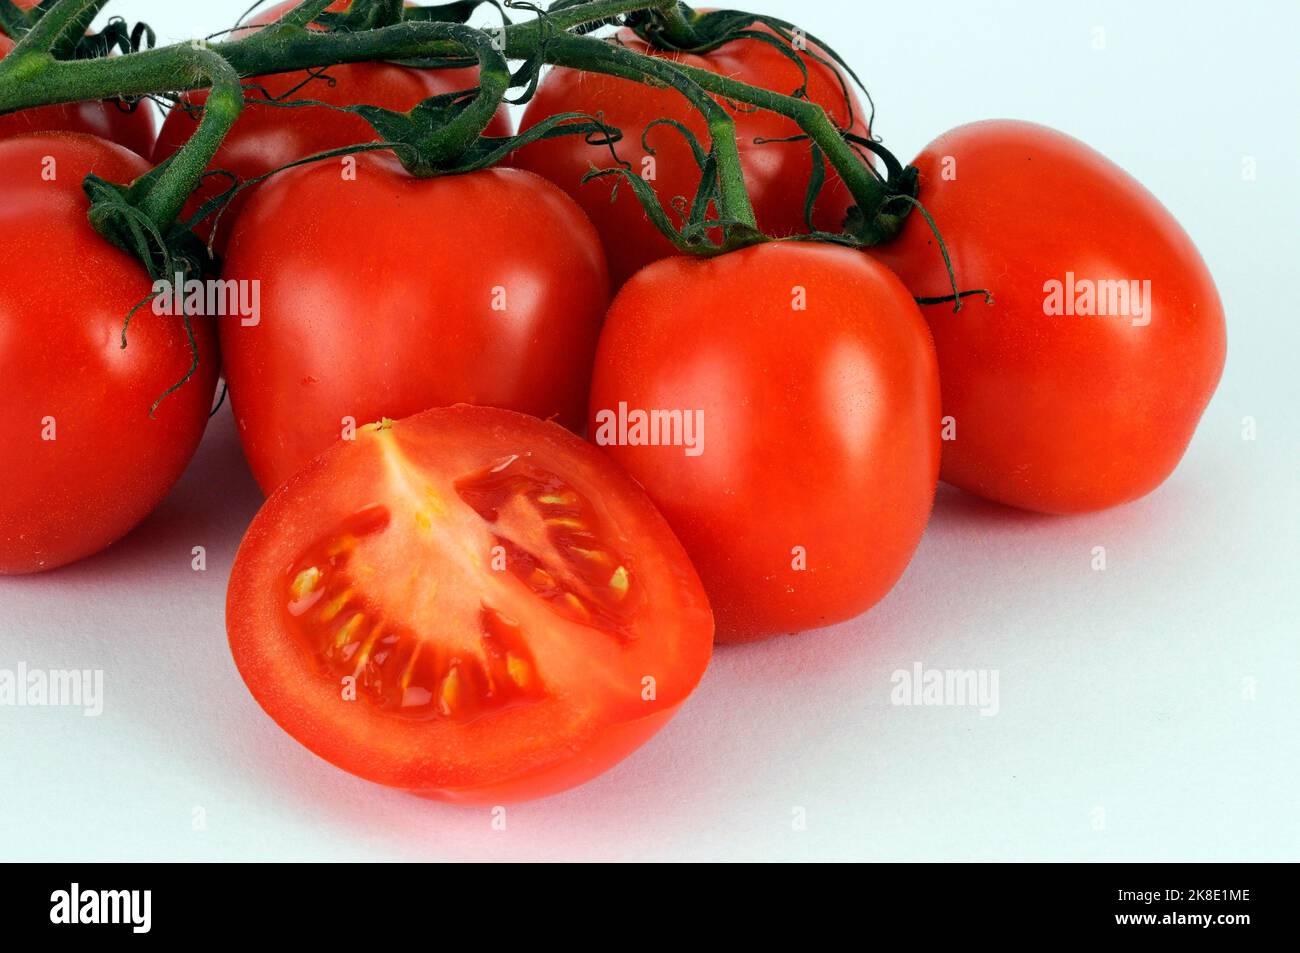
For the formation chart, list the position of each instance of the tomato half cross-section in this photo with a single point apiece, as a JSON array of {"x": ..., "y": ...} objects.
[
  {"x": 471, "y": 604},
  {"x": 780, "y": 404}
]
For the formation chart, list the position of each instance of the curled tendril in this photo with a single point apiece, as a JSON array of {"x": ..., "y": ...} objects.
[
  {"x": 957, "y": 295},
  {"x": 164, "y": 255},
  {"x": 697, "y": 226}
]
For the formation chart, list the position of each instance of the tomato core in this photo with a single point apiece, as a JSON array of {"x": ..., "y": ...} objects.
[{"x": 545, "y": 532}]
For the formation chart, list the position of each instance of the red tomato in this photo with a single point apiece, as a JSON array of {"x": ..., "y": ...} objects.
[
  {"x": 1072, "y": 410},
  {"x": 776, "y": 173},
  {"x": 811, "y": 376},
  {"x": 130, "y": 126},
  {"x": 83, "y": 462},
  {"x": 428, "y": 309},
  {"x": 269, "y": 137},
  {"x": 471, "y": 604}
]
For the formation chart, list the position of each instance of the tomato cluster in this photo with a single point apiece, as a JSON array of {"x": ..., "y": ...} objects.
[{"x": 448, "y": 589}]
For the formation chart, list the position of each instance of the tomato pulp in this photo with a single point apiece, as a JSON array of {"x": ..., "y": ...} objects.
[
  {"x": 1079, "y": 388},
  {"x": 267, "y": 137},
  {"x": 428, "y": 310},
  {"x": 471, "y": 604},
  {"x": 776, "y": 173},
  {"x": 83, "y": 459},
  {"x": 809, "y": 380}
]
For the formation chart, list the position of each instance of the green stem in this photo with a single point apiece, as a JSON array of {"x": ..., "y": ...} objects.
[
  {"x": 13, "y": 21},
  {"x": 35, "y": 78},
  {"x": 868, "y": 191},
  {"x": 65, "y": 17},
  {"x": 304, "y": 13},
  {"x": 494, "y": 82},
  {"x": 284, "y": 49},
  {"x": 677, "y": 26},
  {"x": 166, "y": 196},
  {"x": 599, "y": 56}
]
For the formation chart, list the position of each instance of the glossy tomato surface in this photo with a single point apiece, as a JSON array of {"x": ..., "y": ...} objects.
[
  {"x": 469, "y": 603},
  {"x": 131, "y": 126},
  {"x": 83, "y": 461},
  {"x": 1079, "y": 388},
  {"x": 384, "y": 295},
  {"x": 267, "y": 137},
  {"x": 811, "y": 379},
  {"x": 777, "y": 173}
]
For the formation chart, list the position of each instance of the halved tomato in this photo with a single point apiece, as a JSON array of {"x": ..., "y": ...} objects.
[{"x": 470, "y": 603}]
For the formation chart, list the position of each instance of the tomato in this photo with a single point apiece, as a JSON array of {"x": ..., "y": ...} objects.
[
  {"x": 472, "y": 604},
  {"x": 83, "y": 460},
  {"x": 1080, "y": 386},
  {"x": 484, "y": 288},
  {"x": 269, "y": 137},
  {"x": 130, "y": 126},
  {"x": 809, "y": 474},
  {"x": 777, "y": 173}
]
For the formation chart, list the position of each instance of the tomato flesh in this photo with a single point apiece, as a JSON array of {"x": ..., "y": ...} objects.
[{"x": 467, "y": 603}]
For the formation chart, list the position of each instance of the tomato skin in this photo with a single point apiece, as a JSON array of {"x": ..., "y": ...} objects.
[
  {"x": 64, "y": 295},
  {"x": 579, "y": 728},
  {"x": 775, "y": 173},
  {"x": 426, "y": 312},
  {"x": 821, "y": 426},
  {"x": 1058, "y": 413},
  {"x": 132, "y": 127},
  {"x": 265, "y": 138}
]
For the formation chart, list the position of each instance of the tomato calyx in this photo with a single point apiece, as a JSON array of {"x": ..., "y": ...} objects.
[
  {"x": 686, "y": 30},
  {"x": 705, "y": 228},
  {"x": 116, "y": 215},
  {"x": 370, "y": 15}
]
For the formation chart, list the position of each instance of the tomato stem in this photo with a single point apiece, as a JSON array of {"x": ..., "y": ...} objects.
[
  {"x": 177, "y": 178},
  {"x": 32, "y": 76}
]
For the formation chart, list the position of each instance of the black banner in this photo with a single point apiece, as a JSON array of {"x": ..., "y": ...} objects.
[{"x": 139, "y": 903}]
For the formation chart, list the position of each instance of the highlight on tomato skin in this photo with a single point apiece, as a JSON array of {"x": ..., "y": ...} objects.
[
  {"x": 797, "y": 444},
  {"x": 1080, "y": 385},
  {"x": 471, "y": 604},
  {"x": 468, "y": 324},
  {"x": 84, "y": 453}
]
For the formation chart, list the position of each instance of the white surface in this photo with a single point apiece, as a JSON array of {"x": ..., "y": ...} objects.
[{"x": 1122, "y": 690}]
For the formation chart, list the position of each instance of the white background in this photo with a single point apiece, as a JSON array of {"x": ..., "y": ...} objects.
[{"x": 1126, "y": 729}]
